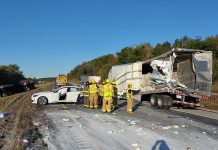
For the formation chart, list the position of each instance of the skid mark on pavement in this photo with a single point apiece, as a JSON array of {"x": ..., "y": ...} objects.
[{"x": 82, "y": 143}]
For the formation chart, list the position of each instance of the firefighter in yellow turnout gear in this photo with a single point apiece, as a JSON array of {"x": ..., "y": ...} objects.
[
  {"x": 129, "y": 96},
  {"x": 86, "y": 94},
  {"x": 93, "y": 97},
  {"x": 107, "y": 96}
]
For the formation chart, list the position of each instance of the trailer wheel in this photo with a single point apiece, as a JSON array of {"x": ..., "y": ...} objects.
[
  {"x": 42, "y": 100},
  {"x": 160, "y": 101},
  {"x": 153, "y": 100}
]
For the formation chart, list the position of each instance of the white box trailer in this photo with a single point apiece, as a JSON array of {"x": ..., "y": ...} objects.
[
  {"x": 124, "y": 74},
  {"x": 180, "y": 77}
]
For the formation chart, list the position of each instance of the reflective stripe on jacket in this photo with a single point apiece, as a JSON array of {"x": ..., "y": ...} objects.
[
  {"x": 129, "y": 94},
  {"x": 93, "y": 89},
  {"x": 108, "y": 90}
]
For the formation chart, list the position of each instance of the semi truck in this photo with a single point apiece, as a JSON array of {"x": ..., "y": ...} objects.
[
  {"x": 61, "y": 80},
  {"x": 179, "y": 77}
]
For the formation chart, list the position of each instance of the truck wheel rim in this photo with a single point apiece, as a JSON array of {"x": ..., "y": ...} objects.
[
  {"x": 160, "y": 103},
  {"x": 152, "y": 100}
]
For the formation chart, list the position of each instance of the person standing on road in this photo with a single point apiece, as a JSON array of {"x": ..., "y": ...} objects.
[
  {"x": 93, "y": 97},
  {"x": 86, "y": 94},
  {"x": 129, "y": 96},
  {"x": 115, "y": 96},
  {"x": 107, "y": 96},
  {"x": 100, "y": 92}
]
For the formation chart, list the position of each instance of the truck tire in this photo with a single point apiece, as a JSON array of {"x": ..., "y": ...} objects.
[
  {"x": 42, "y": 100},
  {"x": 167, "y": 102},
  {"x": 153, "y": 100},
  {"x": 160, "y": 101}
]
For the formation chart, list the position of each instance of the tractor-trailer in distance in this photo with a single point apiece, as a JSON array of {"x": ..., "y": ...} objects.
[{"x": 179, "y": 77}]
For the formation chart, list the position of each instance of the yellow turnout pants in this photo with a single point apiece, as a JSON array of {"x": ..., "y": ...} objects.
[
  {"x": 86, "y": 101},
  {"x": 107, "y": 103},
  {"x": 93, "y": 100},
  {"x": 129, "y": 104}
]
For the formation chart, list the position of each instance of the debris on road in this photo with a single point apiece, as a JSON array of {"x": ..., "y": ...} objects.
[
  {"x": 132, "y": 122},
  {"x": 183, "y": 126},
  {"x": 166, "y": 127},
  {"x": 65, "y": 120},
  {"x": 175, "y": 126},
  {"x": 135, "y": 144},
  {"x": 81, "y": 126},
  {"x": 2, "y": 136},
  {"x": 25, "y": 140},
  {"x": 204, "y": 132},
  {"x": 111, "y": 132},
  {"x": 3, "y": 114},
  {"x": 35, "y": 123},
  {"x": 176, "y": 132}
]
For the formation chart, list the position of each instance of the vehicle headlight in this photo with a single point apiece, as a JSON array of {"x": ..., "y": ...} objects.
[{"x": 35, "y": 95}]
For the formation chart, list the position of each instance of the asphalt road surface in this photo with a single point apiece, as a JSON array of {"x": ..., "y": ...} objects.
[{"x": 71, "y": 126}]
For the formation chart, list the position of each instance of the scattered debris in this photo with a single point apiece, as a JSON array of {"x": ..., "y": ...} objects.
[
  {"x": 188, "y": 148},
  {"x": 111, "y": 132},
  {"x": 80, "y": 125},
  {"x": 97, "y": 115},
  {"x": 132, "y": 122},
  {"x": 65, "y": 120},
  {"x": 35, "y": 123},
  {"x": 74, "y": 116},
  {"x": 121, "y": 130},
  {"x": 25, "y": 140},
  {"x": 176, "y": 132},
  {"x": 175, "y": 126},
  {"x": 3, "y": 114},
  {"x": 204, "y": 132},
  {"x": 139, "y": 131},
  {"x": 114, "y": 113},
  {"x": 2, "y": 136},
  {"x": 166, "y": 127},
  {"x": 183, "y": 126},
  {"x": 135, "y": 144}
]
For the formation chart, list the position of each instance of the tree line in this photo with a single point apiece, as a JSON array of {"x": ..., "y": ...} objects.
[
  {"x": 10, "y": 74},
  {"x": 101, "y": 65}
]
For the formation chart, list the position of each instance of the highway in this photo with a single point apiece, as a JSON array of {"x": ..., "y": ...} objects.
[{"x": 71, "y": 126}]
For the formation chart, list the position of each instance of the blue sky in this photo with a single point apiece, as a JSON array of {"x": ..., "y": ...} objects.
[{"x": 48, "y": 37}]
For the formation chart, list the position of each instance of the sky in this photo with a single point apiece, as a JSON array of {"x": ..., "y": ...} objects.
[{"x": 50, "y": 37}]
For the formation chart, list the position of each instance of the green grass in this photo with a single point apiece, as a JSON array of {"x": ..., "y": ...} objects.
[
  {"x": 209, "y": 105},
  {"x": 43, "y": 85}
]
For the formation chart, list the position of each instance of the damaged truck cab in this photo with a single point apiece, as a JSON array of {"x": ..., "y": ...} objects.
[{"x": 180, "y": 77}]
